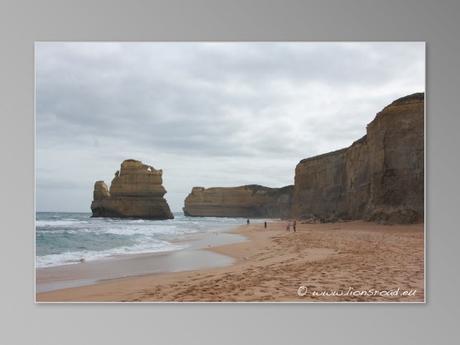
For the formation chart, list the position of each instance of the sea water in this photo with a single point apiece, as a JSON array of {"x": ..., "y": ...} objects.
[{"x": 69, "y": 238}]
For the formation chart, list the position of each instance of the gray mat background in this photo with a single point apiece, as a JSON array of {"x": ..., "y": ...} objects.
[{"x": 22, "y": 23}]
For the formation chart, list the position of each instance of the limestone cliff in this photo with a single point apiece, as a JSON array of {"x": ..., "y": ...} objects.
[
  {"x": 251, "y": 201},
  {"x": 380, "y": 177},
  {"x": 136, "y": 191}
]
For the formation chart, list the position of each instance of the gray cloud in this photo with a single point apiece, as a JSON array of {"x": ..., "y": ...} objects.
[{"x": 207, "y": 113}]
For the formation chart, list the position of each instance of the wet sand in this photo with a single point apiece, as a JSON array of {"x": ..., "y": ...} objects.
[
  {"x": 353, "y": 257},
  {"x": 92, "y": 272}
]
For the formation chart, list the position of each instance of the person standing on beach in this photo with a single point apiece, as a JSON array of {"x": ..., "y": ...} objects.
[
  {"x": 247, "y": 222},
  {"x": 288, "y": 226},
  {"x": 265, "y": 225},
  {"x": 293, "y": 225}
]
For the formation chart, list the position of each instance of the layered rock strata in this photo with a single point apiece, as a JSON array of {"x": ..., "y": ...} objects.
[
  {"x": 380, "y": 177},
  {"x": 251, "y": 201},
  {"x": 136, "y": 191}
]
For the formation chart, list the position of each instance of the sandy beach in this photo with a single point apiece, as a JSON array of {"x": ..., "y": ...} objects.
[{"x": 352, "y": 257}]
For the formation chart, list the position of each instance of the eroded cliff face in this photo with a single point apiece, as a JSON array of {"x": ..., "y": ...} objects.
[
  {"x": 380, "y": 177},
  {"x": 136, "y": 191},
  {"x": 251, "y": 201}
]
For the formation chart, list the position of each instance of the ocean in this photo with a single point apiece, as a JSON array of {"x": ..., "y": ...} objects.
[{"x": 68, "y": 238}]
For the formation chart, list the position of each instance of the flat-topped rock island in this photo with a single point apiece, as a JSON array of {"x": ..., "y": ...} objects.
[
  {"x": 136, "y": 191},
  {"x": 244, "y": 201}
]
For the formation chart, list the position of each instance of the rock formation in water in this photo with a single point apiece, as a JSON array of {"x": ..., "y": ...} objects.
[
  {"x": 136, "y": 192},
  {"x": 251, "y": 201},
  {"x": 380, "y": 177}
]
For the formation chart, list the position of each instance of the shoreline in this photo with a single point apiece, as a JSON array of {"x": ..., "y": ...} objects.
[
  {"x": 273, "y": 263},
  {"x": 190, "y": 258}
]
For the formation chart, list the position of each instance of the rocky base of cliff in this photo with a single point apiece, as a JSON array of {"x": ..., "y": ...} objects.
[
  {"x": 395, "y": 216},
  {"x": 132, "y": 207}
]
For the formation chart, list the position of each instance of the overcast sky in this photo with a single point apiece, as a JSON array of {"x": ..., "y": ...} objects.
[{"x": 208, "y": 114}]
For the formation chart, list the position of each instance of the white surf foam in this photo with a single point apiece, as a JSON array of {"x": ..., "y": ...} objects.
[{"x": 70, "y": 258}]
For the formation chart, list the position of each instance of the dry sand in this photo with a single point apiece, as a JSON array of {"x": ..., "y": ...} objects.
[{"x": 274, "y": 263}]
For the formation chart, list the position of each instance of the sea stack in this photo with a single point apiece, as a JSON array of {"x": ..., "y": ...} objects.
[
  {"x": 136, "y": 191},
  {"x": 250, "y": 201},
  {"x": 380, "y": 177}
]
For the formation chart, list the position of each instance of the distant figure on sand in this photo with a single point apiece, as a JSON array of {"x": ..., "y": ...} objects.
[
  {"x": 288, "y": 226},
  {"x": 247, "y": 222},
  {"x": 265, "y": 225},
  {"x": 293, "y": 225}
]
